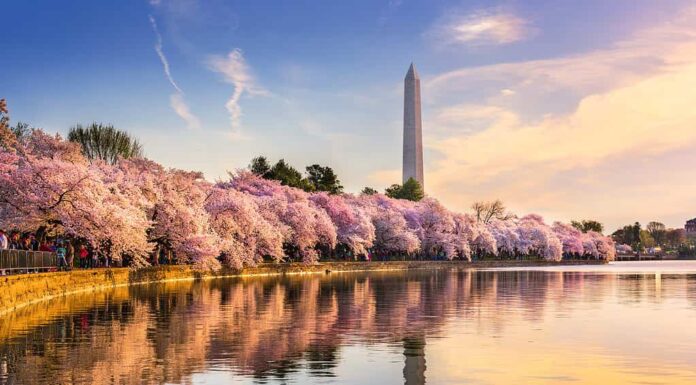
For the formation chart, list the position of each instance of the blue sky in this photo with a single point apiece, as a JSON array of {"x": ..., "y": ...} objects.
[{"x": 512, "y": 91}]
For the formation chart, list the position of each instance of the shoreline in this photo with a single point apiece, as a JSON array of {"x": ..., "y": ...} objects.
[{"x": 22, "y": 290}]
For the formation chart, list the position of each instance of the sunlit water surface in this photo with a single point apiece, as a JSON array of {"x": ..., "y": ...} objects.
[{"x": 625, "y": 323}]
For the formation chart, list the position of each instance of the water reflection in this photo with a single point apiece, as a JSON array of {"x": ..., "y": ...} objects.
[{"x": 390, "y": 327}]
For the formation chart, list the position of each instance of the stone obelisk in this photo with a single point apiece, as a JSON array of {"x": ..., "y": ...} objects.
[{"x": 413, "y": 135}]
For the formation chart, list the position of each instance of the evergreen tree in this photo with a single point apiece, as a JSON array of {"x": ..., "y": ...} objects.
[
  {"x": 287, "y": 175},
  {"x": 323, "y": 179},
  {"x": 260, "y": 166},
  {"x": 393, "y": 191},
  {"x": 369, "y": 191},
  {"x": 319, "y": 178},
  {"x": 411, "y": 190}
]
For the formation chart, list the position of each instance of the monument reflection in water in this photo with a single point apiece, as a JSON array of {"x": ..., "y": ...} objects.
[{"x": 502, "y": 327}]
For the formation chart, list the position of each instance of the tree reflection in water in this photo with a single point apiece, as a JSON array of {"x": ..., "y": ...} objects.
[{"x": 267, "y": 328}]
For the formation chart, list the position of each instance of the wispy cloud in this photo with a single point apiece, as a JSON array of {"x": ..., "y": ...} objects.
[
  {"x": 176, "y": 100},
  {"x": 235, "y": 71},
  {"x": 627, "y": 105},
  {"x": 182, "y": 109},
  {"x": 483, "y": 27},
  {"x": 160, "y": 53}
]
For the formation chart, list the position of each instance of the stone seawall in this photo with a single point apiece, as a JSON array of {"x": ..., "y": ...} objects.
[{"x": 17, "y": 291}]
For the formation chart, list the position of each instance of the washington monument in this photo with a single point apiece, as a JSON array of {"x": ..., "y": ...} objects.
[{"x": 413, "y": 135}]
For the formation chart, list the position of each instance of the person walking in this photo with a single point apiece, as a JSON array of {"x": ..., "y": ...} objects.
[
  {"x": 83, "y": 253},
  {"x": 60, "y": 253},
  {"x": 70, "y": 255},
  {"x": 95, "y": 260}
]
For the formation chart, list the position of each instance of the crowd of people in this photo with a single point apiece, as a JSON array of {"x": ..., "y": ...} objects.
[{"x": 70, "y": 253}]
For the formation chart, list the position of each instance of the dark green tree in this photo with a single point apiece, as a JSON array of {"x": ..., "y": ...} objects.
[
  {"x": 319, "y": 178},
  {"x": 635, "y": 231},
  {"x": 323, "y": 179},
  {"x": 260, "y": 166},
  {"x": 287, "y": 175},
  {"x": 620, "y": 235},
  {"x": 369, "y": 191},
  {"x": 393, "y": 191},
  {"x": 306, "y": 185},
  {"x": 410, "y": 190},
  {"x": 105, "y": 142},
  {"x": 588, "y": 225},
  {"x": 629, "y": 234}
]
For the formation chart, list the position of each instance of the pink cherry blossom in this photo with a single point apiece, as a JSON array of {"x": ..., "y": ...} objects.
[
  {"x": 570, "y": 237},
  {"x": 245, "y": 235},
  {"x": 137, "y": 208},
  {"x": 353, "y": 225},
  {"x": 392, "y": 233},
  {"x": 59, "y": 190}
]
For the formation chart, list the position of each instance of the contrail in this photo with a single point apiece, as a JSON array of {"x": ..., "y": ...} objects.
[
  {"x": 176, "y": 100},
  {"x": 160, "y": 53}
]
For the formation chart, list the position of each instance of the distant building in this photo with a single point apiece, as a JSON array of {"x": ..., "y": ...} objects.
[{"x": 690, "y": 227}]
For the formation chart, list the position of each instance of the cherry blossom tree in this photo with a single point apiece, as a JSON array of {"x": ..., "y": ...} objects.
[
  {"x": 537, "y": 237},
  {"x": 305, "y": 225},
  {"x": 589, "y": 244},
  {"x": 604, "y": 246},
  {"x": 179, "y": 217},
  {"x": 174, "y": 202},
  {"x": 354, "y": 228},
  {"x": 245, "y": 235},
  {"x": 463, "y": 234},
  {"x": 309, "y": 226},
  {"x": 506, "y": 234},
  {"x": 481, "y": 240},
  {"x": 136, "y": 208},
  {"x": 48, "y": 185},
  {"x": 392, "y": 233},
  {"x": 571, "y": 238},
  {"x": 435, "y": 227}
]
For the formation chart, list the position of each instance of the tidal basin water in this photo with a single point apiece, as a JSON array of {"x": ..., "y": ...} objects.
[{"x": 624, "y": 323}]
